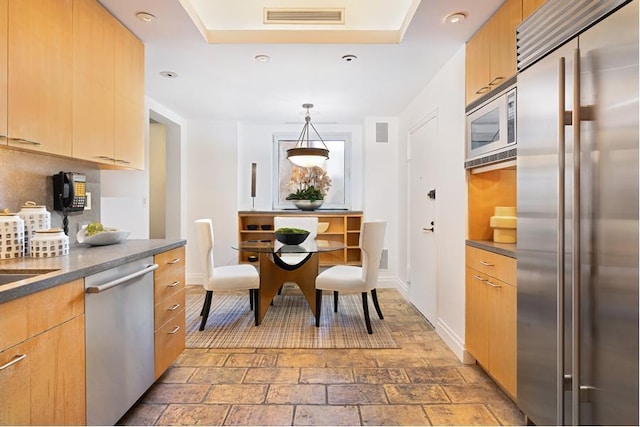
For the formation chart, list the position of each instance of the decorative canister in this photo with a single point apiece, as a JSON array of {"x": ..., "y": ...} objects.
[
  {"x": 49, "y": 243},
  {"x": 11, "y": 235},
  {"x": 35, "y": 218}
]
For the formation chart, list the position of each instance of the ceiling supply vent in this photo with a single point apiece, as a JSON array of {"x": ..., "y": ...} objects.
[
  {"x": 382, "y": 132},
  {"x": 303, "y": 16}
]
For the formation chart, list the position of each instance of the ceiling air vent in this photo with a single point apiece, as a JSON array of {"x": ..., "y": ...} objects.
[{"x": 303, "y": 16}]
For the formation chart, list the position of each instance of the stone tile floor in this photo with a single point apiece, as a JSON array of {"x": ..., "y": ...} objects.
[{"x": 421, "y": 383}]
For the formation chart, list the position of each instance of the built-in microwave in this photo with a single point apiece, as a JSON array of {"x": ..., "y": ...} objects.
[{"x": 491, "y": 127}]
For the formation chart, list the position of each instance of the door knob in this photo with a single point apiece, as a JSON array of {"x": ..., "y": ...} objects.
[{"x": 429, "y": 229}]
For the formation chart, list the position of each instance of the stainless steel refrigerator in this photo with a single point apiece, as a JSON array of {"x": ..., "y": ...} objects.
[{"x": 577, "y": 130}]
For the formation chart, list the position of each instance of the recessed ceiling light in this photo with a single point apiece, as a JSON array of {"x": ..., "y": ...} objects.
[
  {"x": 349, "y": 58},
  {"x": 454, "y": 18},
  {"x": 145, "y": 17},
  {"x": 169, "y": 74},
  {"x": 262, "y": 58}
]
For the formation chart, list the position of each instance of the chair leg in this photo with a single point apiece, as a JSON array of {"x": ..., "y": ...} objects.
[
  {"x": 205, "y": 309},
  {"x": 251, "y": 296},
  {"x": 365, "y": 308},
  {"x": 318, "y": 306},
  {"x": 374, "y": 295},
  {"x": 280, "y": 290},
  {"x": 256, "y": 304},
  {"x": 335, "y": 301}
]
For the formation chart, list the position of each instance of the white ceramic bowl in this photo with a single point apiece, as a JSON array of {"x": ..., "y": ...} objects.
[{"x": 102, "y": 238}]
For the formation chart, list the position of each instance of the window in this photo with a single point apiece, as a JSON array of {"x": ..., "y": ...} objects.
[{"x": 337, "y": 167}]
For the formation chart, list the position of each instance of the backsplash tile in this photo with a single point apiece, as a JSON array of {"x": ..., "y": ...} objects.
[{"x": 27, "y": 176}]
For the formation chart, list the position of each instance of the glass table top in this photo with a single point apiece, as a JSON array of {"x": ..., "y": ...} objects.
[{"x": 273, "y": 246}]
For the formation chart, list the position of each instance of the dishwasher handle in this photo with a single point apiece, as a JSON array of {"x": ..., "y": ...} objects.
[{"x": 120, "y": 280}]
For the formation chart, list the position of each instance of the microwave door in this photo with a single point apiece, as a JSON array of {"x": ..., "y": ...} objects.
[{"x": 488, "y": 128}]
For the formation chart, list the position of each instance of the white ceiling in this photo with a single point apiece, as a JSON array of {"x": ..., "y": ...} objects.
[{"x": 224, "y": 81}]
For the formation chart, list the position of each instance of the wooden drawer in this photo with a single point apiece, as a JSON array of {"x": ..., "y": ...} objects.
[
  {"x": 499, "y": 266},
  {"x": 169, "y": 342},
  {"x": 169, "y": 277},
  {"x": 28, "y": 316},
  {"x": 169, "y": 307}
]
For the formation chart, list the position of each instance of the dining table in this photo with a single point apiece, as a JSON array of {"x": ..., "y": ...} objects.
[{"x": 275, "y": 268}]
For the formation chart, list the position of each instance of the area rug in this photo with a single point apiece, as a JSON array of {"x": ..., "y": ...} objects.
[{"x": 289, "y": 323}]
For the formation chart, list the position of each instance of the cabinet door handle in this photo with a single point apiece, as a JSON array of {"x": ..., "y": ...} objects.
[
  {"x": 126, "y": 162},
  {"x": 495, "y": 81},
  {"x": 493, "y": 285},
  {"x": 175, "y": 330},
  {"x": 486, "y": 264},
  {"x": 174, "y": 308},
  {"x": 483, "y": 89},
  {"x": 174, "y": 261},
  {"x": 24, "y": 141},
  {"x": 174, "y": 284},
  {"x": 15, "y": 360}
]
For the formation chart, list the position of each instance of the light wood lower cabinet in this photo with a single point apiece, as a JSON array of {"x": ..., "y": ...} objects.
[
  {"x": 490, "y": 315},
  {"x": 169, "y": 308},
  {"x": 42, "y": 358}
]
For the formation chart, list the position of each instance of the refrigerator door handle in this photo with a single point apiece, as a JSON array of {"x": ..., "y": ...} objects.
[
  {"x": 575, "y": 246},
  {"x": 564, "y": 119}
]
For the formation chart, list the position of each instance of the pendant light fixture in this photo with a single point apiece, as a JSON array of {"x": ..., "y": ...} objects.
[{"x": 303, "y": 154}]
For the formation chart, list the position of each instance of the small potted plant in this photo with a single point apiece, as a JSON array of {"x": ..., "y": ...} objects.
[{"x": 308, "y": 187}]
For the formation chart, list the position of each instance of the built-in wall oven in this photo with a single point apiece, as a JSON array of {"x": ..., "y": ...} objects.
[{"x": 491, "y": 126}]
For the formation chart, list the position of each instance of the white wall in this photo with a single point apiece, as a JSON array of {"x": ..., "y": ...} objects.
[
  {"x": 212, "y": 189},
  {"x": 444, "y": 94}
]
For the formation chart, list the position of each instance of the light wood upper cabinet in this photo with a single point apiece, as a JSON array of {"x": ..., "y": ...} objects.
[
  {"x": 40, "y": 75},
  {"x": 129, "y": 99},
  {"x": 529, "y": 6},
  {"x": 93, "y": 82},
  {"x": 491, "y": 52},
  {"x": 4, "y": 11}
]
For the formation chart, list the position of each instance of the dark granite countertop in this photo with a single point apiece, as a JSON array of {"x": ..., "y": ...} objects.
[
  {"x": 506, "y": 249},
  {"x": 81, "y": 261}
]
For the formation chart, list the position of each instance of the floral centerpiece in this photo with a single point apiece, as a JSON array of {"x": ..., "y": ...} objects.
[{"x": 308, "y": 187}]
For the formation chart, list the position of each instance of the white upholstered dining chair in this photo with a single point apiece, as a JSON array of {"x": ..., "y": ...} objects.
[
  {"x": 224, "y": 278},
  {"x": 349, "y": 278}
]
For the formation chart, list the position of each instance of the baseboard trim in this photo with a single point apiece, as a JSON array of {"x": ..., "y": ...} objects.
[{"x": 455, "y": 343}]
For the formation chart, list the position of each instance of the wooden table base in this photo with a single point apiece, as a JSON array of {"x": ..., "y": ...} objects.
[{"x": 273, "y": 277}]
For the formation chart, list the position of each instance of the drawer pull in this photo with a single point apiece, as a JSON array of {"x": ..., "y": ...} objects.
[
  {"x": 174, "y": 308},
  {"x": 493, "y": 285},
  {"x": 479, "y": 278},
  {"x": 174, "y": 261},
  {"x": 174, "y": 284},
  {"x": 15, "y": 360},
  {"x": 24, "y": 141},
  {"x": 175, "y": 330},
  {"x": 486, "y": 264}
]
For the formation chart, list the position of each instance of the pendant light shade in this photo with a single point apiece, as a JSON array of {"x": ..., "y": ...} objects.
[{"x": 303, "y": 154}]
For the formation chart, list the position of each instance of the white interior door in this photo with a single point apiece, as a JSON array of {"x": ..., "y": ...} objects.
[{"x": 422, "y": 216}]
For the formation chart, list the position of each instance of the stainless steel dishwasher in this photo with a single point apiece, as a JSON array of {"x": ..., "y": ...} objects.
[{"x": 119, "y": 339}]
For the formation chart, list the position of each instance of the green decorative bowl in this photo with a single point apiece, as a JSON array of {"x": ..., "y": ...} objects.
[{"x": 291, "y": 238}]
